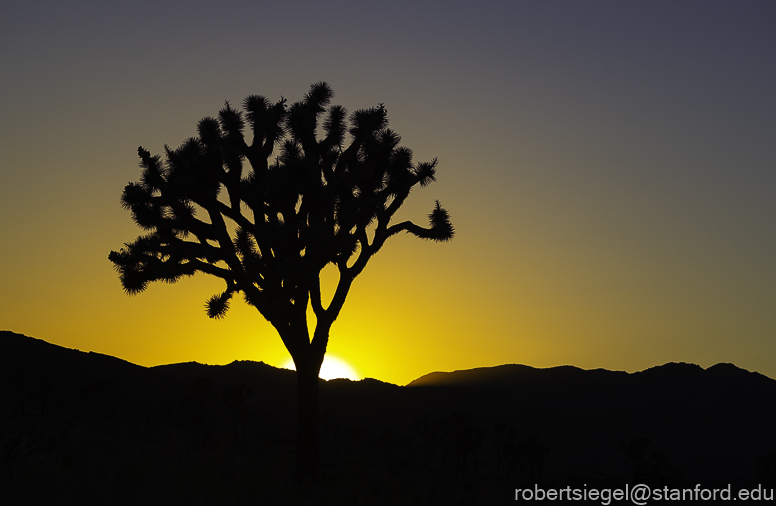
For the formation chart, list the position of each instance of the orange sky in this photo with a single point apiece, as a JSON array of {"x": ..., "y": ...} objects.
[{"x": 609, "y": 171}]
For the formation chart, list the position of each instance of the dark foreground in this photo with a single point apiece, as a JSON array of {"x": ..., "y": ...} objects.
[{"x": 92, "y": 429}]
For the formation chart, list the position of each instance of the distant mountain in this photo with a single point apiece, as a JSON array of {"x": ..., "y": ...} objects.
[
  {"x": 512, "y": 375},
  {"x": 96, "y": 429}
]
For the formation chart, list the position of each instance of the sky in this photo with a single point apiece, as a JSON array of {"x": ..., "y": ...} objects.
[{"x": 609, "y": 166}]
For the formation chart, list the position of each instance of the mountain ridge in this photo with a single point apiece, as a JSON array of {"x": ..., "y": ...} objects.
[{"x": 486, "y": 375}]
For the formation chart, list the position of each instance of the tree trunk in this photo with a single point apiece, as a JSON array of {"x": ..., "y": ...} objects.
[
  {"x": 308, "y": 359},
  {"x": 307, "y": 444}
]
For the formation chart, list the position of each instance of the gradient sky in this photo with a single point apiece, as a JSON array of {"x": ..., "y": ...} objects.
[{"x": 610, "y": 168}]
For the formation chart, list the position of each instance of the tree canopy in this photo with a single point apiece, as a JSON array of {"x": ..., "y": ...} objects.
[{"x": 268, "y": 227}]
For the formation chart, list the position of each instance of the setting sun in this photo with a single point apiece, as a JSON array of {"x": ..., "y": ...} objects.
[{"x": 332, "y": 368}]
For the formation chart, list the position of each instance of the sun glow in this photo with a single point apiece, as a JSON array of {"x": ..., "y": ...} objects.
[{"x": 332, "y": 368}]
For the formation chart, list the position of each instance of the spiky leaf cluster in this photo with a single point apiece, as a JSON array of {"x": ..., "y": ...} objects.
[{"x": 259, "y": 200}]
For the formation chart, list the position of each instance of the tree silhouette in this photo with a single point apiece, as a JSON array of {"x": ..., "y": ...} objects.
[{"x": 269, "y": 231}]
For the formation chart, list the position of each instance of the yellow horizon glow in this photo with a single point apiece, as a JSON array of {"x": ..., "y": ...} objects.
[{"x": 332, "y": 368}]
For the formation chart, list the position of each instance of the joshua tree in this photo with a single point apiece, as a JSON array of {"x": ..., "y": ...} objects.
[{"x": 268, "y": 228}]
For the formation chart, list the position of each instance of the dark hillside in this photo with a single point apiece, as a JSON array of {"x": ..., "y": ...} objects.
[{"x": 91, "y": 428}]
